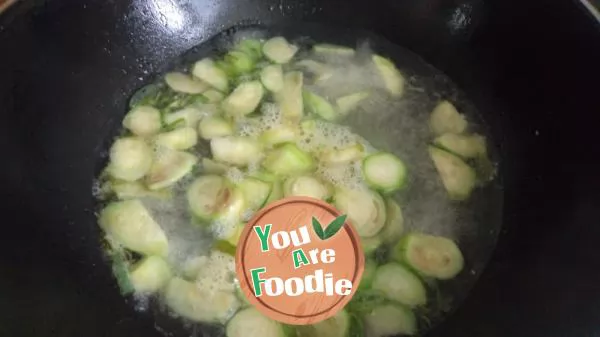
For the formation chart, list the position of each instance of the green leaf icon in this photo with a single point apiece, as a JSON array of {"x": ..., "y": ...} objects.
[
  {"x": 335, "y": 226},
  {"x": 318, "y": 229},
  {"x": 331, "y": 229}
]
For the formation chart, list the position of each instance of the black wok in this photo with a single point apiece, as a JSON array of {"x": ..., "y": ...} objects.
[{"x": 68, "y": 67}]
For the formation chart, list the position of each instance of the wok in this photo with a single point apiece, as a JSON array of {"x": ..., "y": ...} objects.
[{"x": 67, "y": 69}]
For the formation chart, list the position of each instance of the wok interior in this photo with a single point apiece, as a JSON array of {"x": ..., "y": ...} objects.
[
  {"x": 73, "y": 65},
  {"x": 476, "y": 223}
]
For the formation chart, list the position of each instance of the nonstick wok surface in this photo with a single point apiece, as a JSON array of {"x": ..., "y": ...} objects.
[{"x": 68, "y": 67}]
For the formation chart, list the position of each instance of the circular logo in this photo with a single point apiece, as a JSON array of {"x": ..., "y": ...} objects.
[{"x": 299, "y": 261}]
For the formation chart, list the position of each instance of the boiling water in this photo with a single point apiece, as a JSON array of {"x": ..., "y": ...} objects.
[{"x": 398, "y": 126}]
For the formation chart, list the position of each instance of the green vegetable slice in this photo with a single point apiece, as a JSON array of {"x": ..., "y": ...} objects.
[
  {"x": 252, "y": 47},
  {"x": 256, "y": 192},
  {"x": 311, "y": 65},
  {"x": 178, "y": 139},
  {"x": 319, "y": 106},
  {"x": 189, "y": 115},
  {"x": 279, "y": 50},
  {"x": 384, "y": 171},
  {"x": 184, "y": 83},
  {"x": 239, "y": 62},
  {"x": 394, "y": 223},
  {"x": 288, "y": 160},
  {"x": 230, "y": 214},
  {"x": 276, "y": 193},
  {"x": 143, "y": 121},
  {"x": 321, "y": 72},
  {"x": 250, "y": 322},
  {"x": 430, "y": 255},
  {"x": 169, "y": 167},
  {"x": 198, "y": 303},
  {"x": 277, "y": 186},
  {"x": 244, "y": 99},
  {"x": 368, "y": 274},
  {"x": 342, "y": 156},
  {"x": 208, "y": 195},
  {"x": 150, "y": 274},
  {"x": 446, "y": 119},
  {"x": 210, "y": 166},
  {"x": 393, "y": 79},
  {"x": 281, "y": 134},
  {"x": 457, "y": 176},
  {"x": 365, "y": 209},
  {"x": 346, "y": 104},
  {"x": 306, "y": 186},
  {"x": 134, "y": 190},
  {"x": 239, "y": 151},
  {"x": 290, "y": 97},
  {"x": 265, "y": 176},
  {"x": 336, "y": 326},
  {"x": 272, "y": 77},
  {"x": 213, "y": 96},
  {"x": 130, "y": 159},
  {"x": 390, "y": 320},
  {"x": 365, "y": 300},
  {"x": 465, "y": 146},
  {"x": 120, "y": 269},
  {"x": 234, "y": 238},
  {"x": 400, "y": 285},
  {"x": 214, "y": 127},
  {"x": 131, "y": 225},
  {"x": 331, "y": 49},
  {"x": 224, "y": 246},
  {"x": 207, "y": 71}
]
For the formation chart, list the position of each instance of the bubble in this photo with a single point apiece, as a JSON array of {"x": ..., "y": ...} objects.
[
  {"x": 142, "y": 302},
  {"x": 97, "y": 189}
]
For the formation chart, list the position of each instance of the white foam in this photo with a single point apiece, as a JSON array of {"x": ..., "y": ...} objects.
[
  {"x": 235, "y": 175},
  {"x": 270, "y": 117},
  {"x": 347, "y": 176},
  {"x": 325, "y": 135},
  {"x": 218, "y": 273}
]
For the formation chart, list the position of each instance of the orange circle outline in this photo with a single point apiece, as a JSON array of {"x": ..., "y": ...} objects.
[{"x": 276, "y": 314}]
